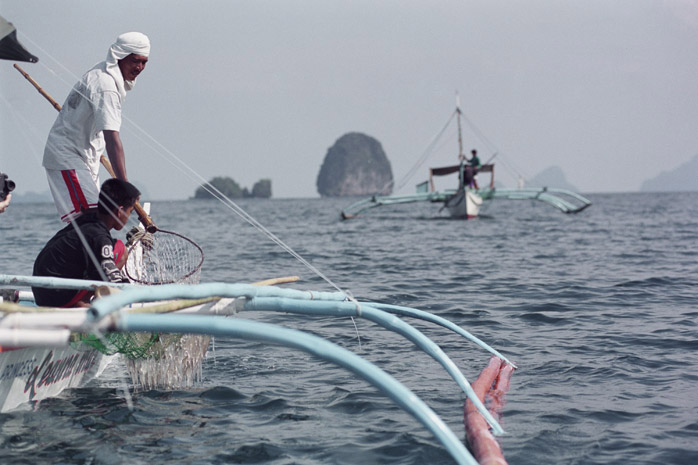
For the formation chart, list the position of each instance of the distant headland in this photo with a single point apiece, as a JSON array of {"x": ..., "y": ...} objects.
[
  {"x": 231, "y": 189},
  {"x": 683, "y": 178}
]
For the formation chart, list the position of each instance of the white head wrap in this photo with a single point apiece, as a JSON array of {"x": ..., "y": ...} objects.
[{"x": 126, "y": 44}]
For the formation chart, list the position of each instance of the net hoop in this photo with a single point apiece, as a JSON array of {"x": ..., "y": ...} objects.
[{"x": 165, "y": 257}]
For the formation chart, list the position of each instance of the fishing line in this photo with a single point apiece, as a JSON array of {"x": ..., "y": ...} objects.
[
  {"x": 492, "y": 148},
  {"x": 235, "y": 208},
  {"x": 187, "y": 170},
  {"x": 480, "y": 135},
  {"x": 226, "y": 201},
  {"x": 54, "y": 60},
  {"x": 425, "y": 154}
]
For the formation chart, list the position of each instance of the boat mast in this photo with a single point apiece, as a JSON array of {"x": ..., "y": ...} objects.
[{"x": 461, "y": 156}]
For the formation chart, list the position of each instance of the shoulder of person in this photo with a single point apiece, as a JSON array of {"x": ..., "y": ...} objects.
[
  {"x": 98, "y": 80},
  {"x": 100, "y": 238}
]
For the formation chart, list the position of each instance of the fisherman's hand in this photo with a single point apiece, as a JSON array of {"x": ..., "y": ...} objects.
[
  {"x": 148, "y": 241},
  {"x": 133, "y": 235},
  {"x": 137, "y": 234}
]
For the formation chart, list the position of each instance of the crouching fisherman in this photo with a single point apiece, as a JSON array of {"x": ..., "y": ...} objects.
[{"x": 85, "y": 248}]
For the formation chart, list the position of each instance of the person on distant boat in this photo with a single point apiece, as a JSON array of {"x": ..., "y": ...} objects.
[
  {"x": 85, "y": 249},
  {"x": 474, "y": 160},
  {"x": 475, "y": 167},
  {"x": 88, "y": 123},
  {"x": 466, "y": 175}
]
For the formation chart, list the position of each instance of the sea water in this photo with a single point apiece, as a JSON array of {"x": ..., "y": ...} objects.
[{"x": 599, "y": 310}]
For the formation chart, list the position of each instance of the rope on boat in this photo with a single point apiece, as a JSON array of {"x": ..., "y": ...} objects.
[{"x": 313, "y": 345}]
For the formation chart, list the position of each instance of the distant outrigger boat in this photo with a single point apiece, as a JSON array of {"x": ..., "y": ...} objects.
[{"x": 465, "y": 201}]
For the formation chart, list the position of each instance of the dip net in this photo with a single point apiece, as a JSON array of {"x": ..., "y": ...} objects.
[
  {"x": 164, "y": 257},
  {"x": 159, "y": 360}
]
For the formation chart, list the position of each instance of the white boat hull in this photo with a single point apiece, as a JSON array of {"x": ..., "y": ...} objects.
[
  {"x": 34, "y": 373},
  {"x": 29, "y": 374},
  {"x": 464, "y": 204}
]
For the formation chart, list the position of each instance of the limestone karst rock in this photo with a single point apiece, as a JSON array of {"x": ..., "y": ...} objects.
[{"x": 355, "y": 165}]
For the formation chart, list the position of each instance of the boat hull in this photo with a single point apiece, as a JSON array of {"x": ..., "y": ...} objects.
[
  {"x": 32, "y": 374},
  {"x": 464, "y": 204}
]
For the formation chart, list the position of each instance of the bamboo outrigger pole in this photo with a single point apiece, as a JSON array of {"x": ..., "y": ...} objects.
[{"x": 142, "y": 215}]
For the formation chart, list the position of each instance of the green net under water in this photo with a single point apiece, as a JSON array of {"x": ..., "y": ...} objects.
[
  {"x": 154, "y": 361},
  {"x": 131, "y": 345}
]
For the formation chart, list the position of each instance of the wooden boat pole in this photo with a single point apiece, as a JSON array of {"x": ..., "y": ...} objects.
[
  {"x": 142, "y": 215},
  {"x": 180, "y": 304},
  {"x": 55, "y": 104},
  {"x": 275, "y": 281}
]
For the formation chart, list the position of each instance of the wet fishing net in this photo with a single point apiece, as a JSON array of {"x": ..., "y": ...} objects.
[
  {"x": 175, "y": 361},
  {"x": 158, "y": 360},
  {"x": 163, "y": 257},
  {"x": 154, "y": 360},
  {"x": 130, "y": 345}
]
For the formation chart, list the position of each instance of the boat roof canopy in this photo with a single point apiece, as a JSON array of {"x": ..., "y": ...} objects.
[
  {"x": 443, "y": 171},
  {"x": 10, "y": 48}
]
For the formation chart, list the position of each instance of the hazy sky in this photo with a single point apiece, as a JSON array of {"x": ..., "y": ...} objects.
[{"x": 605, "y": 89}]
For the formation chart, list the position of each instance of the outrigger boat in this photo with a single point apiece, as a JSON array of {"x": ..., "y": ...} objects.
[
  {"x": 45, "y": 351},
  {"x": 465, "y": 201},
  {"x": 163, "y": 331}
]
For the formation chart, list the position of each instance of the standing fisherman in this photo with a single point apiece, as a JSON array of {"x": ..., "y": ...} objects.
[{"x": 89, "y": 123}]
